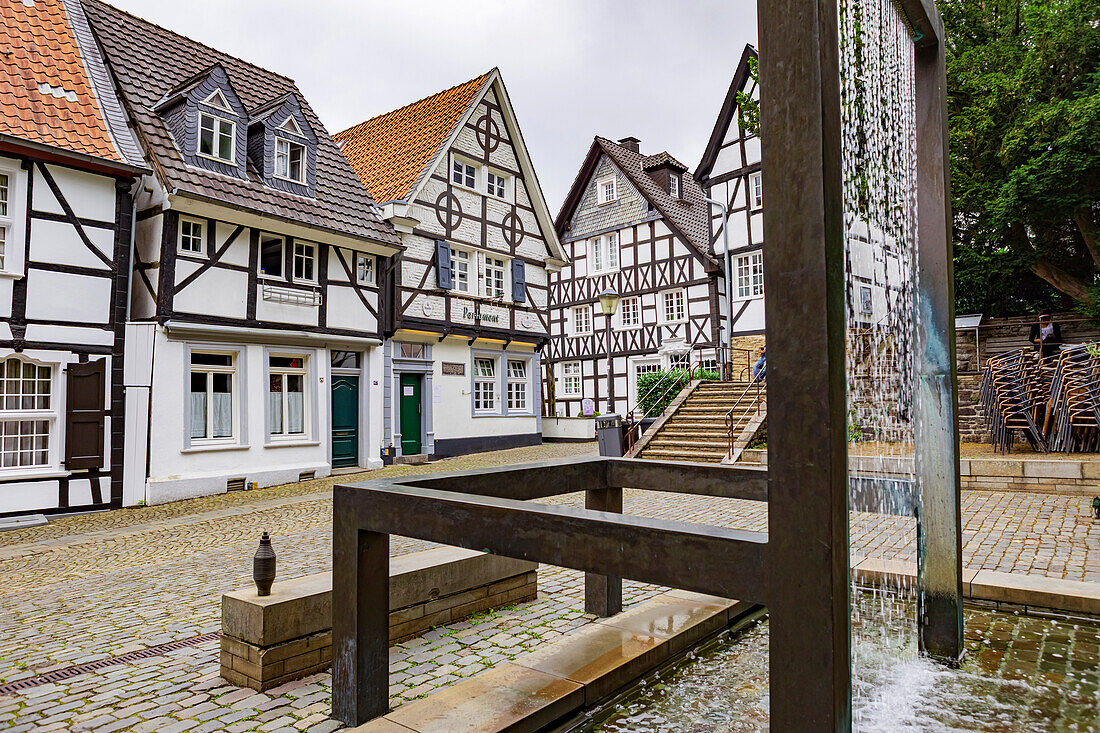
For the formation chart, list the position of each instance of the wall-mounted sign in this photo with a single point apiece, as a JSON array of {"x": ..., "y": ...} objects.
[
  {"x": 427, "y": 307},
  {"x": 476, "y": 315},
  {"x": 527, "y": 321},
  {"x": 455, "y": 368},
  {"x": 588, "y": 407}
]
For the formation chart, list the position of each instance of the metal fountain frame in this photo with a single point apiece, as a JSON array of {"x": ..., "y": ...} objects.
[{"x": 799, "y": 568}]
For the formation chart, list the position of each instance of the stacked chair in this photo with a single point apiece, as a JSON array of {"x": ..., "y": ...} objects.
[{"x": 1054, "y": 402}]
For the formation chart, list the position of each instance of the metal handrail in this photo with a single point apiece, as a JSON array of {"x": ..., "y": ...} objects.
[{"x": 733, "y": 428}]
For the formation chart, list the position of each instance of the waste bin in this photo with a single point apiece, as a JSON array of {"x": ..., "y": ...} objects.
[{"x": 609, "y": 434}]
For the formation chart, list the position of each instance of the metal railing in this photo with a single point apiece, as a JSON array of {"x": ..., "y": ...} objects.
[
  {"x": 718, "y": 360},
  {"x": 735, "y": 423}
]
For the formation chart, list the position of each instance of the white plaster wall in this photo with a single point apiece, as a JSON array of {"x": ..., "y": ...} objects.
[
  {"x": 568, "y": 428},
  {"x": 215, "y": 292},
  {"x": 57, "y": 242},
  {"x": 86, "y": 299},
  {"x": 90, "y": 195},
  {"x": 453, "y": 417}
]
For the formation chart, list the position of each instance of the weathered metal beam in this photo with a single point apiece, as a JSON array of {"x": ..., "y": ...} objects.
[
  {"x": 360, "y": 619},
  {"x": 939, "y": 530},
  {"x": 525, "y": 481},
  {"x": 716, "y": 560},
  {"x": 804, "y": 308},
  {"x": 735, "y": 482},
  {"x": 603, "y": 594}
]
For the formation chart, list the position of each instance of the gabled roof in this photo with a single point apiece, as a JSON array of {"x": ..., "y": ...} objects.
[
  {"x": 149, "y": 62},
  {"x": 391, "y": 152},
  {"x": 725, "y": 115},
  {"x": 687, "y": 216},
  {"x": 394, "y": 153},
  {"x": 53, "y": 87}
]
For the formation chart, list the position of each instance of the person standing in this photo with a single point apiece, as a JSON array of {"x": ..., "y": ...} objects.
[
  {"x": 1046, "y": 335},
  {"x": 760, "y": 368}
]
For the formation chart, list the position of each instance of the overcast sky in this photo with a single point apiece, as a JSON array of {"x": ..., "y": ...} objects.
[{"x": 654, "y": 69}]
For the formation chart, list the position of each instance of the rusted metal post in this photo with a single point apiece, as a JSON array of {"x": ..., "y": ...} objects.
[
  {"x": 603, "y": 594},
  {"x": 939, "y": 544},
  {"x": 360, "y": 620},
  {"x": 808, "y": 574}
]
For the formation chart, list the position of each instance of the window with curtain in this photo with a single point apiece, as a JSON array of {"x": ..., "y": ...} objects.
[
  {"x": 582, "y": 320},
  {"x": 485, "y": 385},
  {"x": 27, "y": 416},
  {"x": 750, "y": 275},
  {"x": 290, "y": 160},
  {"x": 286, "y": 395},
  {"x": 605, "y": 253},
  {"x": 5, "y": 217},
  {"x": 571, "y": 378},
  {"x": 517, "y": 384},
  {"x": 364, "y": 269},
  {"x": 212, "y": 378}
]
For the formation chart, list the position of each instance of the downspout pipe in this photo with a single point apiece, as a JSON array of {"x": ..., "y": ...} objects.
[{"x": 729, "y": 276}]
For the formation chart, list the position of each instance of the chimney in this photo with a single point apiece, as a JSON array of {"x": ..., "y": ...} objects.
[{"x": 631, "y": 143}]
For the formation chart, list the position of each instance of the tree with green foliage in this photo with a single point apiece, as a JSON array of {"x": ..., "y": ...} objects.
[{"x": 1023, "y": 81}]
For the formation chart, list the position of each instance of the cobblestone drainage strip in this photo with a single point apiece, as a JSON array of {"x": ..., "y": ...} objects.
[{"x": 67, "y": 672}]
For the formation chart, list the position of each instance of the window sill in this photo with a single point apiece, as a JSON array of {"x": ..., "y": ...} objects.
[
  {"x": 601, "y": 273},
  {"x": 489, "y": 414},
  {"x": 216, "y": 159},
  {"x": 5, "y": 275},
  {"x": 291, "y": 443},
  {"x": 289, "y": 180},
  {"x": 214, "y": 447},
  {"x": 605, "y": 203},
  {"x": 12, "y": 474}
]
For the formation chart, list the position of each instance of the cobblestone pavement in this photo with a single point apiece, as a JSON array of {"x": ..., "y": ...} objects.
[{"x": 92, "y": 587}]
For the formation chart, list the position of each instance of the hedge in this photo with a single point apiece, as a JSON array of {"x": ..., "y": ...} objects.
[{"x": 652, "y": 400}]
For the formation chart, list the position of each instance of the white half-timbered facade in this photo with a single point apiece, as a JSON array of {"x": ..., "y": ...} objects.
[
  {"x": 636, "y": 224},
  {"x": 730, "y": 172},
  {"x": 67, "y": 167},
  {"x": 469, "y": 293},
  {"x": 254, "y": 340}
]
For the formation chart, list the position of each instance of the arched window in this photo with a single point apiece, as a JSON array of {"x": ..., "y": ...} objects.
[{"x": 27, "y": 414}]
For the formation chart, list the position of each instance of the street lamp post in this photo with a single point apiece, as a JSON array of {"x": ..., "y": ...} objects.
[{"x": 609, "y": 303}]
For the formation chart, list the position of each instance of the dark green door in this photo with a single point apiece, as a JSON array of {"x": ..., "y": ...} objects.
[
  {"x": 410, "y": 414},
  {"x": 345, "y": 420}
]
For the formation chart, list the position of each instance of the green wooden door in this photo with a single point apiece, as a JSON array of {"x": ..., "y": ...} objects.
[
  {"x": 345, "y": 420},
  {"x": 410, "y": 414}
]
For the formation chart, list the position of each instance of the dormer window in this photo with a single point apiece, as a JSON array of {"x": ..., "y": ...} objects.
[
  {"x": 674, "y": 186},
  {"x": 292, "y": 127},
  {"x": 290, "y": 160},
  {"x": 217, "y": 137}
]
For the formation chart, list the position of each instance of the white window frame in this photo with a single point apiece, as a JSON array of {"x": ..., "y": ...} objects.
[
  {"x": 674, "y": 185},
  {"x": 494, "y": 276},
  {"x": 670, "y": 295},
  {"x": 749, "y": 270},
  {"x": 290, "y": 144},
  {"x": 481, "y": 382},
  {"x": 232, "y": 159},
  {"x": 282, "y": 257},
  {"x": 604, "y": 252},
  {"x": 603, "y": 196},
  {"x": 636, "y": 303},
  {"x": 576, "y": 311},
  {"x": 201, "y": 251},
  {"x": 491, "y": 188},
  {"x": 234, "y": 397},
  {"x": 282, "y": 372},
  {"x": 755, "y": 192},
  {"x": 570, "y": 376},
  {"x": 518, "y": 385},
  {"x": 364, "y": 269},
  {"x": 470, "y": 170},
  {"x": 300, "y": 256},
  {"x": 33, "y": 414},
  {"x": 7, "y": 221},
  {"x": 460, "y": 275}
]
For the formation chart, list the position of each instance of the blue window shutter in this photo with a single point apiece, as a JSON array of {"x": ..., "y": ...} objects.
[
  {"x": 519, "y": 282},
  {"x": 443, "y": 264}
]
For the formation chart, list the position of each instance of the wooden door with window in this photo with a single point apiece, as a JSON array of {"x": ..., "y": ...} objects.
[
  {"x": 345, "y": 420},
  {"x": 410, "y": 414}
]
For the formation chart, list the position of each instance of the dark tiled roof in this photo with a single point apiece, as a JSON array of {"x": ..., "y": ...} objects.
[
  {"x": 689, "y": 215},
  {"x": 149, "y": 62},
  {"x": 652, "y": 162},
  {"x": 391, "y": 151},
  {"x": 45, "y": 89}
]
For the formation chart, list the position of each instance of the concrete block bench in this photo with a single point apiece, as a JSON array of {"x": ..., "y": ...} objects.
[{"x": 269, "y": 640}]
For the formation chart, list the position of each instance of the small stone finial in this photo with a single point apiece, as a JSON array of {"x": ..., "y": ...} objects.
[{"x": 263, "y": 566}]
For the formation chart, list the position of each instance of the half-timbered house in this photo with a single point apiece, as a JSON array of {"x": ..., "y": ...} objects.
[
  {"x": 469, "y": 293},
  {"x": 729, "y": 171},
  {"x": 253, "y": 344},
  {"x": 636, "y": 224},
  {"x": 67, "y": 167}
]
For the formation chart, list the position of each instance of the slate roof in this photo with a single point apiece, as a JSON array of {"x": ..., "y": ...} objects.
[
  {"x": 148, "y": 62},
  {"x": 390, "y": 152},
  {"x": 689, "y": 215},
  {"x": 48, "y": 83}
]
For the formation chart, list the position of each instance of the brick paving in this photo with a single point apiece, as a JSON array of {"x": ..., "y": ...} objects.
[{"x": 91, "y": 587}]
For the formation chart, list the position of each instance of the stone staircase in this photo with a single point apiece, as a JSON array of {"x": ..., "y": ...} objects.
[{"x": 694, "y": 427}]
